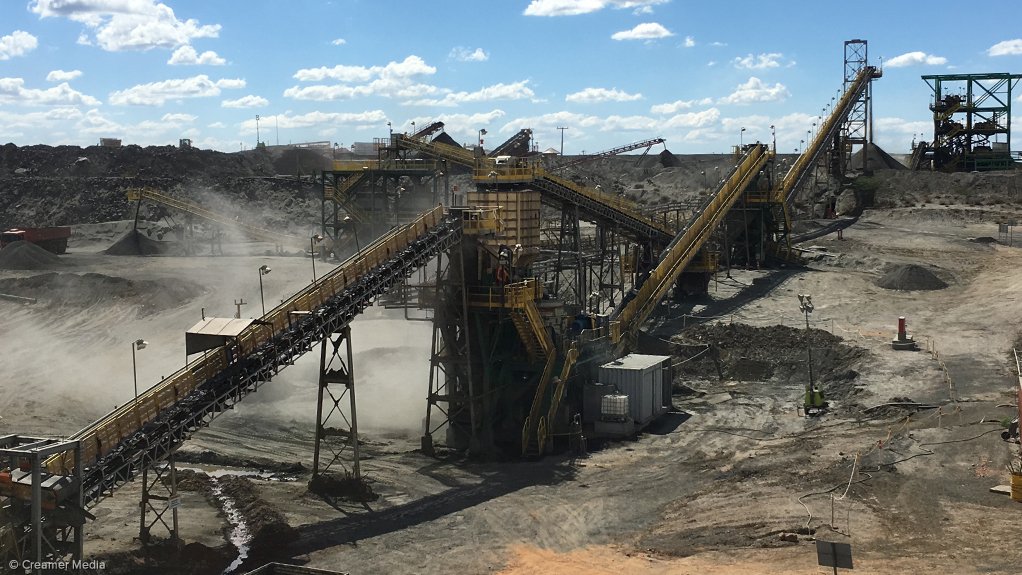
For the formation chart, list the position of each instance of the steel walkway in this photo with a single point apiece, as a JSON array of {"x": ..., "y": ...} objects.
[{"x": 140, "y": 434}]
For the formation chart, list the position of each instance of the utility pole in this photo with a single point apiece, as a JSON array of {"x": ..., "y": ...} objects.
[{"x": 562, "y": 139}]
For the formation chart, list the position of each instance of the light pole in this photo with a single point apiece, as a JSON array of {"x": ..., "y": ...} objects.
[
  {"x": 257, "y": 130},
  {"x": 390, "y": 131},
  {"x": 354, "y": 230},
  {"x": 805, "y": 304},
  {"x": 562, "y": 129},
  {"x": 482, "y": 132},
  {"x": 703, "y": 174},
  {"x": 741, "y": 139},
  {"x": 263, "y": 270},
  {"x": 138, "y": 344},
  {"x": 312, "y": 251},
  {"x": 773, "y": 136}
]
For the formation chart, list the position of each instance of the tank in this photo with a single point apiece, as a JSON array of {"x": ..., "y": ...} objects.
[{"x": 614, "y": 408}]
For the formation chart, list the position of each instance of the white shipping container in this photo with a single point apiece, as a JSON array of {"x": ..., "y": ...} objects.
[{"x": 641, "y": 378}]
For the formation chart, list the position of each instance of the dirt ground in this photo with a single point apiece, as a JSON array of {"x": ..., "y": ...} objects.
[{"x": 736, "y": 480}]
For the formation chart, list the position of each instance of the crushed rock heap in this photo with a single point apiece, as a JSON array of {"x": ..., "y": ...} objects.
[
  {"x": 911, "y": 277},
  {"x": 135, "y": 243},
  {"x": 28, "y": 256}
]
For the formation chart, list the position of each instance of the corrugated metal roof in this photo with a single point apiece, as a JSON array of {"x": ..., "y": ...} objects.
[
  {"x": 213, "y": 332},
  {"x": 227, "y": 327},
  {"x": 635, "y": 361}
]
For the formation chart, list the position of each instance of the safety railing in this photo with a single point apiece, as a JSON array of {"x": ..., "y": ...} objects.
[{"x": 102, "y": 436}]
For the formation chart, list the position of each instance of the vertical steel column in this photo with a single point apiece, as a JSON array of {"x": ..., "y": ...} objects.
[
  {"x": 151, "y": 492},
  {"x": 347, "y": 437},
  {"x": 856, "y": 129}
]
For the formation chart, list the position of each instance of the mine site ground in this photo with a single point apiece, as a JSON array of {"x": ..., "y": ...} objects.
[{"x": 734, "y": 480}]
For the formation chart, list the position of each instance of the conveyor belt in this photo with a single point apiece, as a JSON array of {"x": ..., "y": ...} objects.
[
  {"x": 139, "y": 194},
  {"x": 611, "y": 152},
  {"x": 802, "y": 168},
  {"x": 140, "y": 434},
  {"x": 679, "y": 253}
]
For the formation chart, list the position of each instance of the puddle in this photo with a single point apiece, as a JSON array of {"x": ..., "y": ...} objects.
[
  {"x": 239, "y": 536},
  {"x": 249, "y": 473}
]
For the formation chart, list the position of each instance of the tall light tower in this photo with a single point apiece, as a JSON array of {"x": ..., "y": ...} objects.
[
  {"x": 257, "y": 130},
  {"x": 562, "y": 129}
]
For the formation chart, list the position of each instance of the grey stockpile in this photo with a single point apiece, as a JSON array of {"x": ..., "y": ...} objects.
[
  {"x": 134, "y": 243},
  {"x": 669, "y": 160},
  {"x": 876, "y": 159},
  {"x": 28, "y": 256},
  {"x": 911, "y": 277}
]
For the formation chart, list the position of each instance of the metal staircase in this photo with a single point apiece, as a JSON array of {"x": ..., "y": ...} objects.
[{"x": 340, "y": 195}]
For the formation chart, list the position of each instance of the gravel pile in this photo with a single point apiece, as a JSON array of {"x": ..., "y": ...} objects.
[
  {"x": 28, "y": 256},
  {"x": 80, "y": 291},
  {"x": 669, "y": 160},
  {"x": 911, "y": 277},
  {"x": 876, "y": 159},
  {"x": 134, "y": 243}
]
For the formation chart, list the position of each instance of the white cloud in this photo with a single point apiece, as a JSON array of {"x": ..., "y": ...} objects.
[
  {"x": 718, "y": 44},
  {"x": 594, "y": 95},
  {"x": 693, "y": 119},
  {"x": 17, "y": 43},
  {"x": 157, "y": 93},
  {"x": 576, "y": 7},
  {"x": 462, "y": 54},
  {"x": 187, "y": 56},
  {"x": 13, "y": 91},
  {"x": 63, "y": 76},
  {"x": 339, "y": 42},
  {"x": 179, "y": 118},
  {"x": 915, "y": 59},
  {"x": 644, "y": 31},
  {"x": 217, "y": 125},
  {"x": 755, "y": 90},
  {"x": 758, "y": 62},
  {"x": 314, "y": 119},
  {"x": 902, "y": 126},
  {"x": 250, "y": 101},
  {"x": 674, "y": 107},
  {"x": 408, "y": 68},
  {"x": 126, "y": 24},
  {"x": 516, "y": 91},
  {"x": 1006, "y": 48},
  {"x": 689, "y": 42}
]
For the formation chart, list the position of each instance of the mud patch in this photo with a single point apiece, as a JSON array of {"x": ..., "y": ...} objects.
[
  {"x": 775, "y": 354},
  {"x": 164, "y": 557}
]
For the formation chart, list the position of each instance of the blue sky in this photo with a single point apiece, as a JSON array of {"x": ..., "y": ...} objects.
[{"x": 611, "y": 71}]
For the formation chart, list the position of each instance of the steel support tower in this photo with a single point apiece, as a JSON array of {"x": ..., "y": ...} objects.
[
  {"x": 971, "y": 122},
  {"x": 857, "y": 129}
]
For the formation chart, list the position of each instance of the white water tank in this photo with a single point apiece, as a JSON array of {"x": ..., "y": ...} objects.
[{"x": 614, "y": 408}]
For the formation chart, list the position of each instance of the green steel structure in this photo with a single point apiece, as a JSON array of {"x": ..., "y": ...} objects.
[{"x": 971, "y": 123}]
